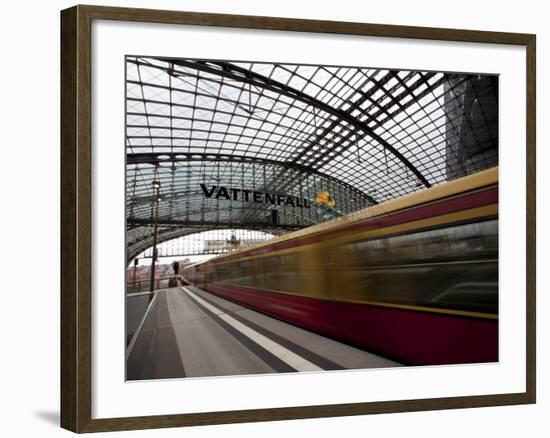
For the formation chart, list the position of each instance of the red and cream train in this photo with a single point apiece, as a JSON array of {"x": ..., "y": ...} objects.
[{"x": 414, "y": 279}]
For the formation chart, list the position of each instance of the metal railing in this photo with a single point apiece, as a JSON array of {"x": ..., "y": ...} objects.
[{"x": 159, "y": 283}]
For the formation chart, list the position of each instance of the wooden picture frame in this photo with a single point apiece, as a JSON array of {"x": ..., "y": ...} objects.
[{"x": 76, "y": 217}]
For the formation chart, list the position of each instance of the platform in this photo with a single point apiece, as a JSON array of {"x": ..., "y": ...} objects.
[{"x": 187, "y": 332}]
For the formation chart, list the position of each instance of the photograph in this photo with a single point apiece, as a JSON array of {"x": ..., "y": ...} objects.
[
  {"x": 275, "y": 219},
  {"x": 286, "y": 218}
]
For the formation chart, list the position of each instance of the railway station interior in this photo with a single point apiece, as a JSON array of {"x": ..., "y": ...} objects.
[{"x": 273, "y": 209}]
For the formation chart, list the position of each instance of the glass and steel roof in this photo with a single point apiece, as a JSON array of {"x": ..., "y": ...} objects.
[{"x": 366, "y": 134}]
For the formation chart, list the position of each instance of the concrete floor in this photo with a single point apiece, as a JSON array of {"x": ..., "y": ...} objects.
[{"x": 191, "y": 333}]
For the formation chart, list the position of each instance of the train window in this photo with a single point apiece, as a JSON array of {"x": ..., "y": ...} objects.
[
  {"x": 454, "y": 267},
  {"x": 465, "y": 240},
  {"x": 283, "y": 273},
  {"x": 277, "y": 272}
]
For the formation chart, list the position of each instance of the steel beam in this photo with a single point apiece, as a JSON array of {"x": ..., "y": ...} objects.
[
  {"x": 174, "y": 157},
  {"x": 231, "y": 71}
]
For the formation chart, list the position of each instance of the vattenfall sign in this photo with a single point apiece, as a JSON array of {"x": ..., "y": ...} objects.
[{"x": 229, "y": 193}]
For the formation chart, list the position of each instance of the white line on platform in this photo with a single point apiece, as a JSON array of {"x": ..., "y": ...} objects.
[
  {"x": 138, "y": 330},
  {"x": 284, "y": 354}
]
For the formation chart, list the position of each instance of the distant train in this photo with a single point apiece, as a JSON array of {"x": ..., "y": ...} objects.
[{"x": 414, "y": 279}]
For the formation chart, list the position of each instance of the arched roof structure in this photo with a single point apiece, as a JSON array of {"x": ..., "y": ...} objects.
[{"x": 365, "y": 134}]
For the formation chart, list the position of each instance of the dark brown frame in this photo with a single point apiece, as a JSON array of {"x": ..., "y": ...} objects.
[{"x": 76, "y": 218}]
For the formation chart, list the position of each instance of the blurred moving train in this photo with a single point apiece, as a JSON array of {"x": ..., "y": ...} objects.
[{"x": 414, "y": 279}]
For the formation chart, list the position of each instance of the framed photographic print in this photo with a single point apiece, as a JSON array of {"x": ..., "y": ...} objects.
[{"x": 270, "y": 218}]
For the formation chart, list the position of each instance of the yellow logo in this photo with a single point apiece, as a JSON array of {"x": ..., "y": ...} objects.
[{"x": 324, "y": 198}]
